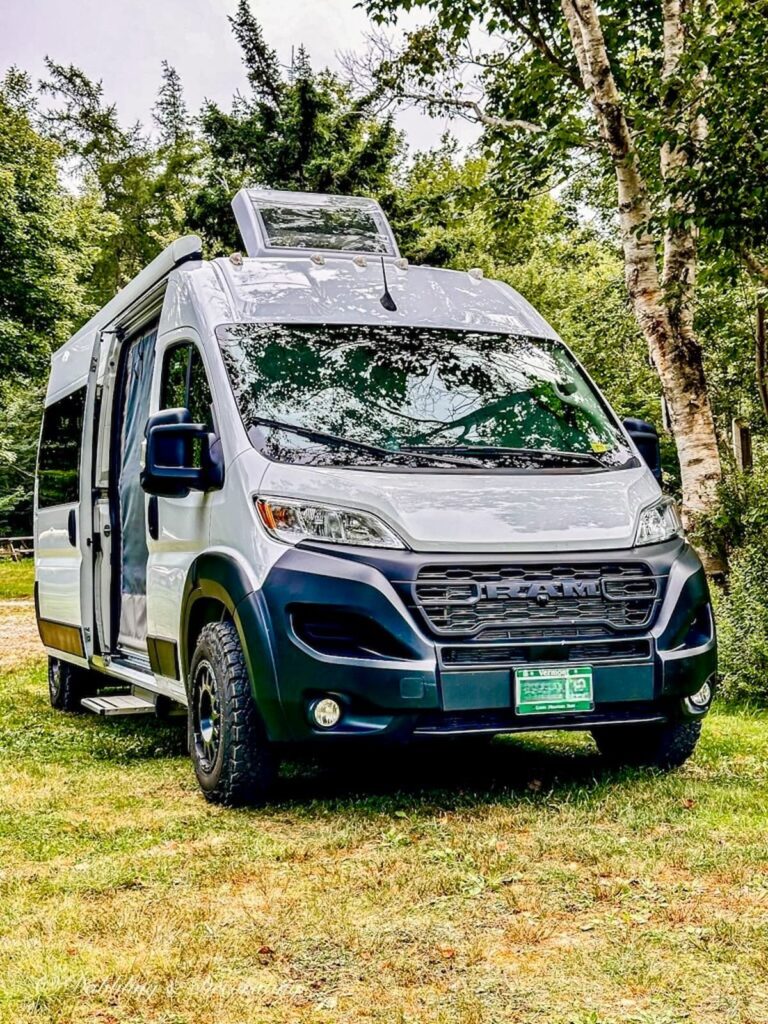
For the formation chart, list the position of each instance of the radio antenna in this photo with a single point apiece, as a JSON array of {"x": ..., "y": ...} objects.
[{"x": 386, "y": 299}]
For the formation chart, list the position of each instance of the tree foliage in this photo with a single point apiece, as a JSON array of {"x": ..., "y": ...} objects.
[
  {"x": 141, "y": 186},
  {"x": 297, "y": 129},
  {"x": 40, "y": 257},
  {"x": 170, "y": 113},
  {"x": 46, "y": 237}
]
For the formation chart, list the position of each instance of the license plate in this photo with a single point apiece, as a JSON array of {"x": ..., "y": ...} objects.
[{"x": 546, "y": 691}]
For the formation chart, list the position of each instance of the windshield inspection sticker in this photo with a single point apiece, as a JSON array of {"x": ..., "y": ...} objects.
[{"x": 540, "y": 691}]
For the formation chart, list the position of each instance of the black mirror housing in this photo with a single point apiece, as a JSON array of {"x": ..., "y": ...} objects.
[
  {"x": 646, "y": 439},
  {"x": 168, "y": 464}
]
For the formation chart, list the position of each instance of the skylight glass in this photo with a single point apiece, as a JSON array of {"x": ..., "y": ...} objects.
[{"x": 295, "y": 220}]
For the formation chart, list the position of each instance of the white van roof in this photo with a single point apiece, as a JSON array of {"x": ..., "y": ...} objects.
[
  {"x": 317, "y": 257},
  {"x": 339, "y": 290}
]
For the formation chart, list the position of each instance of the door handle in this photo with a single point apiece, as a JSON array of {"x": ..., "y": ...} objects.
[
  {"x": 72, "y": 527},
  {"x": 153, "y": 517}
]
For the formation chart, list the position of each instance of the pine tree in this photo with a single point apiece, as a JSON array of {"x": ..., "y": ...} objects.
[
  {"x": 261, "y": 63},
  {"x": 45, "y": 254},
  {"x": 142, "y": 187},
  {"x": 308, "y": 104},
  {"x": 170, "y": 112},
  {"x": 297, "y": 130}
]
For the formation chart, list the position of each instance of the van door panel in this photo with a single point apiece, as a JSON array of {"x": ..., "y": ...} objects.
[
  {"x": 59, "y": 488},
  {"x": 139, "y": 357},
  {"x": 182, "y": 534},
  {"x": 102, "y": 525},
  {"x": 58, "y": 565},
  {"x": 102, "y": 516}
]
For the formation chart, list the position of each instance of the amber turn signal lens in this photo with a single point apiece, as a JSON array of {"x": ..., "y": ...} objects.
[{"x": 265, "y": 511}]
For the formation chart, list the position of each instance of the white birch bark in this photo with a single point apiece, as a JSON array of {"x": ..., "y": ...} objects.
[{"x": 663, "y": 304}]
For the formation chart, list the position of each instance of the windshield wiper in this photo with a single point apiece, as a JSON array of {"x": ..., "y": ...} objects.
[
  {"x": 499, "y": 451},
  {"x": 321, "y": 437}
]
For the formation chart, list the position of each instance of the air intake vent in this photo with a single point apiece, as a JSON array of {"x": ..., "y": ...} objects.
[
  {"x": 502, "y": 655},
  {"x": 343, "y": 634}
]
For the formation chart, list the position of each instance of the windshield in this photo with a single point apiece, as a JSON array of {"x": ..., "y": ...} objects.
[{"x": 381, "y": 395}]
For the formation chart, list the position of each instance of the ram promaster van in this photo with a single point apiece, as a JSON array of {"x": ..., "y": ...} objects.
[{"x": 315, "y": 494}]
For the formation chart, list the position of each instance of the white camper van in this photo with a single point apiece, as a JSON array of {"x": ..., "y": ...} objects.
[{"x": 315, "y": 494}]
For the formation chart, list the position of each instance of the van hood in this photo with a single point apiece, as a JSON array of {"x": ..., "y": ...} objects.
[{"x": 483, "y": 512}]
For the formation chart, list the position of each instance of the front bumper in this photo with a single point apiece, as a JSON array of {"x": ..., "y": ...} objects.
[{"x": 340, "y": 622}]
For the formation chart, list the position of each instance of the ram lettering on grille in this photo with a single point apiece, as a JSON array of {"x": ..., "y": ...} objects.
[{"x": 465, "y": 600}]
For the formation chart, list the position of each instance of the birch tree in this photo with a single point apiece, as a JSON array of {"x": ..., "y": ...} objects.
[{"x": 618, "y": 91}]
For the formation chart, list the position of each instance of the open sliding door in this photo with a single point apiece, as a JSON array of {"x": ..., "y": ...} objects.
[{"x": 129, "y": 559}]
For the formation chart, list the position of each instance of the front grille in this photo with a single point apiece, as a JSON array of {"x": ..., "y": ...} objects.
[
  {"x": 543, "y": 632},
  {"x": 531, "y": 654},
  {"x": 467, "y": 600}
]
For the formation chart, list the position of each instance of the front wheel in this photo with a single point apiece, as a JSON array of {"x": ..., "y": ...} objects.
[
  {"x": 663, "y": 746},
  {"x": 233, "y": 760}
]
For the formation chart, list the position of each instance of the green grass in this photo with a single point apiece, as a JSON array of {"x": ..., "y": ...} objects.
[
  {"x": 17, "y": 578},
  {"x": 527, "y": 886}
]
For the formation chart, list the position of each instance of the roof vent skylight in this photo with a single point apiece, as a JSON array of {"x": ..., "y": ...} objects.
[{"x": 272, "y": 221}]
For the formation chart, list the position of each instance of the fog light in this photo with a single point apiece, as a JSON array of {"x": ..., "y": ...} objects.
[
  {"x": 702, "y": 697},
  {"x": 326, "y": 712}
]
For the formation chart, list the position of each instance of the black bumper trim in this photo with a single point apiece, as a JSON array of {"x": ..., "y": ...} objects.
[
  {"x": 509, "y": 722},
  {"x": 418, "y": 693}
]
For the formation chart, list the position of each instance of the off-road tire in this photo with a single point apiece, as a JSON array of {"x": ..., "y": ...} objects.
[
  {"x": 664, "y": 746},
  {"x": 67, "y": 685},
  {"x": 240, "y": 766}
]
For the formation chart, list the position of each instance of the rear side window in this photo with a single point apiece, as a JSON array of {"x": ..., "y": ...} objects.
[
  {"x": 185, "y": 385},
  {"x": 58, "y": 463}
]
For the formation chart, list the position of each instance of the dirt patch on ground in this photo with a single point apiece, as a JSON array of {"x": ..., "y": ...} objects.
[{"x": 19, "y": 639}]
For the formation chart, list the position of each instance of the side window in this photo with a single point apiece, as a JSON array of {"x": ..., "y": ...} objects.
[
  {"x": 185, "y": 384},
  {"x": 58, "y": 462},
  {"x": 199, "y": 399},
  {"x": 174, "y": 389}
]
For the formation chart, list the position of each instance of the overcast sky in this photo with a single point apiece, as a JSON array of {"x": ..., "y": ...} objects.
[{"x": 122, "y": 42}]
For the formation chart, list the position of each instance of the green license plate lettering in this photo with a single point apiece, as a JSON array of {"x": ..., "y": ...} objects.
[{"x": 542, "y": 691}]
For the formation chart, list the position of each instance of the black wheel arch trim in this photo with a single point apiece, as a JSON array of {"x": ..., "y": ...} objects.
[{"x": 220, "y": 577}]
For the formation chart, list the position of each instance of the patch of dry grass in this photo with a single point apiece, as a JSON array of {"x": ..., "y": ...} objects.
[
  {"x": 19, "y": 638},
  {"x": 529, "y": 886}
]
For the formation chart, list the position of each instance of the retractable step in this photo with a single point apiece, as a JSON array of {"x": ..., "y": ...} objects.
[{"x": 119, "y": 704}]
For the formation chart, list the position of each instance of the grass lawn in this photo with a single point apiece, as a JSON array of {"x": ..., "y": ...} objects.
[
  {"x": 521, "y": 885},
  {"x": 16, "y": 578}
]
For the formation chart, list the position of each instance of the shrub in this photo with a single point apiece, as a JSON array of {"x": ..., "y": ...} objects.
[{"x": 742, "y": 622}]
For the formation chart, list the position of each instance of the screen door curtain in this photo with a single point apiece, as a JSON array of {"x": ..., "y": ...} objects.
[{"x": 139, "y": 365}]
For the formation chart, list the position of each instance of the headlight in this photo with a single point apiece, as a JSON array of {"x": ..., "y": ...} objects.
[
  {"x": 658, "y": 522},
  {"x": 293, "y": 521}
]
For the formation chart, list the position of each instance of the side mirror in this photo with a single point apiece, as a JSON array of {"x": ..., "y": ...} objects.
[
  {"x": 179, "y": 456},
  {"x": 646, "y": 441}
]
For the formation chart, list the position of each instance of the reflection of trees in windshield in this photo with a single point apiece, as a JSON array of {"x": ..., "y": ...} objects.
[
  {"x": 323, "y": 227},
  {"x": 395, "y": 387}
]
